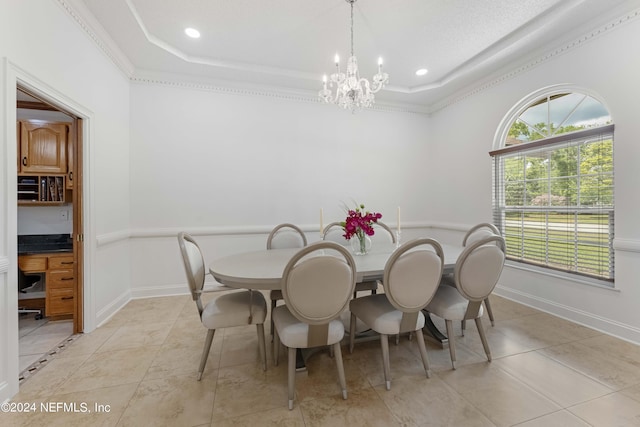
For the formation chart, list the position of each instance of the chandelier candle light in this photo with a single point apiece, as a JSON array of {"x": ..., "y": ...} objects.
[{"x": 352, "y": 91}]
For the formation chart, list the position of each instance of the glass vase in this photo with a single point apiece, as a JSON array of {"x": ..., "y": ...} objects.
[{"x": 361, "y": 245}]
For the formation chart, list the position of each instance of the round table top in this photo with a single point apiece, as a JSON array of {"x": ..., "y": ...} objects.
[{"x": 262, "y": 269}]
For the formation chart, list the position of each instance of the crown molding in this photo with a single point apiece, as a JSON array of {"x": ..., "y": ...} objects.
[
  {"x": 85, "y": 19},
  {"x": 539, "y": 60},
  {"x": 90, "y": 25},
  {"x": 170, "y": 80}
]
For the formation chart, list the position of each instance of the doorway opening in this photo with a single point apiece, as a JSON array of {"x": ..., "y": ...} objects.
[{"x": 50, "y": 228}]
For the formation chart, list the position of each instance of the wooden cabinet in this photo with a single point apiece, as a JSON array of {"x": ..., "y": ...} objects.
[
  {"x": 60, "y": 281},
  {"x": 43, "y": 147}
]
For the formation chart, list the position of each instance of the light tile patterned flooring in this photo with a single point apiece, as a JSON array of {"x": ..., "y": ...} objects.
[{"x": 142, "y": 364}]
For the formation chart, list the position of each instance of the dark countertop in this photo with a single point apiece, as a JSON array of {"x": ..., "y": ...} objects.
[{"x": 44, "y": 243}]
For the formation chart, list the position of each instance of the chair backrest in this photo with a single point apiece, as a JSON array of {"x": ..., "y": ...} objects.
[
  {"x": 193, "y": 266},
  {"x": 334, "y": 232},
  {"x": 479, "y": 266},
  {"x": 286, "y": 236},
  {"x": 316, "y": 284},
  {"x": 411, "y": 276},
  {"x": 479, "y": 232},
  {"x": 386, "y": 234}
]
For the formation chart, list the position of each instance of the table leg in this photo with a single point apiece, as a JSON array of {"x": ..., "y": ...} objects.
[{"x": 433, "y": 332}]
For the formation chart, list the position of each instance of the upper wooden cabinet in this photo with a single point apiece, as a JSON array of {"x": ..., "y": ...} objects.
[{"x": 43, "y": 146}]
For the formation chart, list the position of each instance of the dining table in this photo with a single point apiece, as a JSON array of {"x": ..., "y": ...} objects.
[{"x": 263, "y": 270}]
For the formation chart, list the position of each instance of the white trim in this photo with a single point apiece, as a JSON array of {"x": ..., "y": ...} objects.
[
  {"x": 4, "y": 264},
  {"x": 250, "y": 89},
  {"x": 539, "y": 60},
  {"x": 145, "y": 233},
  {"x": 112, "y": 308},
  {"x": 88, "y": 23},
  {"x": 599, "y": 323},
  {"x": 159, "y": 291},
  {"x": 626, "y": 245},
  {"x": 116, "y": 236},
  {"x": 83, "y": 17}
]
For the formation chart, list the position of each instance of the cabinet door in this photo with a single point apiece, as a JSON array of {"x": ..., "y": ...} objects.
[{"x": 43, "y": 147}]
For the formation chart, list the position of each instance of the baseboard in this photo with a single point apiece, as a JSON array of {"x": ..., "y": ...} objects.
[
  {"x": 110, "y": 310},
  {"x": 602, "y": 324},
  {"x": 5, "y": 392},
  {"x": 159, "y": 291}
]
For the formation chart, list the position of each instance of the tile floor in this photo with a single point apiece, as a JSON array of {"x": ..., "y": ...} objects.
[
  {"x": 141, "y": 368},
  {"x": 39, "y": 337}
]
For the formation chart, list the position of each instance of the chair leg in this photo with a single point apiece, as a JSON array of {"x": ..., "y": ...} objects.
[
  {"x": 276, "y": 348},
  {"x": 343, "y": 382},
  {"x": 483, "y": 338},
  {"x": 463, "y": 326},
  {"x": 452, "y": 345},
  {"x": 423, "y": 353},
  {"x": 262, "y": 346},
  {"x": 384, "y": 345},
  {"x": 487, "y": 305},
  {"x": 291, "y": 367},
  {"x": 205, "y": 352},
  {"x": 352, "y": 332},
  {"x": 273, "y": 305}
]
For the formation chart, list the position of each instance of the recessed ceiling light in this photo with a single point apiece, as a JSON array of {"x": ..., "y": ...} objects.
[
  {"x": 422, "y": 72},
  {"x": 192, "y": 32}
]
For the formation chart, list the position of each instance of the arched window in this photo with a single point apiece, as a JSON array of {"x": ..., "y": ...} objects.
[{"x": 553, "y": 183}]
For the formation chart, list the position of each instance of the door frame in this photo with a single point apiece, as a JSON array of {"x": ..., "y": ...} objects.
[{"x": 15, "y": 77}]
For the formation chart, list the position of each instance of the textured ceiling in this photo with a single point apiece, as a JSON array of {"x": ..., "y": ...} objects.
[{"x": 290, "y": 44}]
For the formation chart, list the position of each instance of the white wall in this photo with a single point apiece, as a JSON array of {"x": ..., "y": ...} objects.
[
  {"x": 43, "y": 46},
  {"x": 464, "y": 132},
  {"x": 214, "y": 163}
]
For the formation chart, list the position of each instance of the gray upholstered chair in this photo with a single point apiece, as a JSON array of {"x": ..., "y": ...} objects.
[
  {"x": 317, "y": 286},
  {"x": 334, "y": 232},
  {"x": 224, "y": 310},
  {"x": 281, "y": 237},
  {"x": 475, "y": 233},
  {"x": 476, "y": 273},
  {"x": 411, "y": 277}
]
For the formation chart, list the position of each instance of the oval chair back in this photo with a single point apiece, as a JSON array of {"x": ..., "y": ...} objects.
[
  {"x": 317, "y": 289},
  {"x": 480, "y": 231},
  {"x": 479, "y": 266},
  {"x": 334, "y": 232},
  {"x": 411, "y": 277},
  {"x": 286, "y": 236},
  {"x": 386, "y": 233}
]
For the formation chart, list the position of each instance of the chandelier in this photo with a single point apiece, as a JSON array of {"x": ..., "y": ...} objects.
[{"x": 352, "y": 91}]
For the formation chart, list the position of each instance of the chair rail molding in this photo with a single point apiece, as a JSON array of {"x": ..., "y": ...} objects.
[{"x": 626, "y": 245}]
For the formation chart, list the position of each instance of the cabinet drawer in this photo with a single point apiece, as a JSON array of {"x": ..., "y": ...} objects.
[
  {"x": 60, "y": 262},
  {"x": 60, "y": 279},
  {"x": 32, "y": 263},
  {"x": 59, "y": 302}
]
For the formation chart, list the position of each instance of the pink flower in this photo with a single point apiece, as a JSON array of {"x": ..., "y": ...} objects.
[{"x": 359, "y": 223}]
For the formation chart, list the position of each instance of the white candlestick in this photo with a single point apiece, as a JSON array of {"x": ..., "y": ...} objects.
[
  {"x": 321, "y": 221},
  {"x": 398, "y": 218}
]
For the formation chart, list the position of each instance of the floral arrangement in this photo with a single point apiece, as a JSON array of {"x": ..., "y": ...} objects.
[{"x": 359, "y": 223}]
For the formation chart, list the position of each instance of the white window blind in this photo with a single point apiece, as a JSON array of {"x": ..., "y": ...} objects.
[{"x": 553, "y": 199}]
